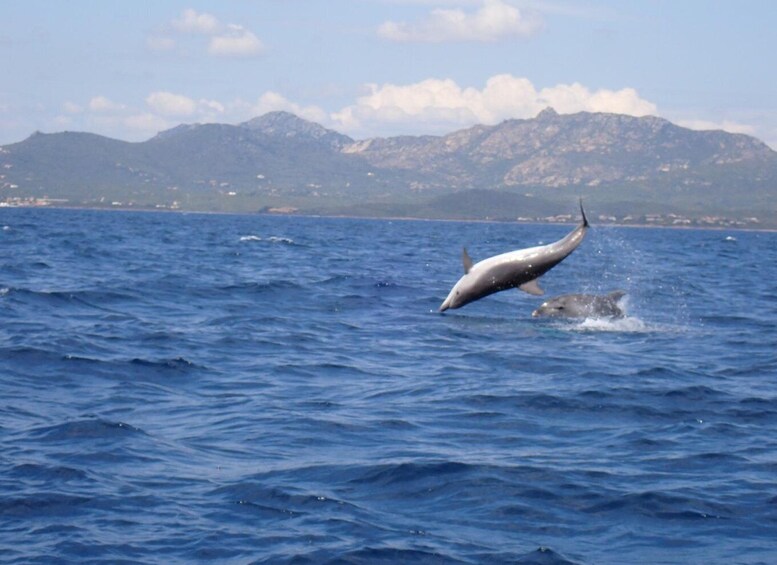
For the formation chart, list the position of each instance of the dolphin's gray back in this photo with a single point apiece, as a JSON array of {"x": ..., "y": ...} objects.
[
  {"x": 607, "y": 305},
  {"x": 548, "y": 256},
  {"x": 582, "y": 306}
]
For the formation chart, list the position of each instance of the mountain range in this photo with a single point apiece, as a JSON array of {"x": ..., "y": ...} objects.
[{"x": 625, "y": 167}]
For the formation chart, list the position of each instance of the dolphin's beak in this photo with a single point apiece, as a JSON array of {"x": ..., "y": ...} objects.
[{"x": 445, "y": 305}]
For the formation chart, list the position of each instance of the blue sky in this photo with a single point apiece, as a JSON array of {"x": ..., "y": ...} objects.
[{"x": 128, "y": 69}]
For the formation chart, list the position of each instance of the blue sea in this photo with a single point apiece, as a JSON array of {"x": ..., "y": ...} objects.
[{"x": 179, "y": 388}]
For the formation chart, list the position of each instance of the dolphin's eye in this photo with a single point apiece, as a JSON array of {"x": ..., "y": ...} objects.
[{"x": 560, "y": 307}]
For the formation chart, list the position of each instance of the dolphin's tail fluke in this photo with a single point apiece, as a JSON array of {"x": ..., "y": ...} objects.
[{"x": 582, "y": 211}]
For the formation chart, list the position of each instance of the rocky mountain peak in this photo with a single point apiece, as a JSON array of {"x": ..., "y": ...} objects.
[
  {"x": 288, "y": 125},
  {"x": 547, "y": 114}
]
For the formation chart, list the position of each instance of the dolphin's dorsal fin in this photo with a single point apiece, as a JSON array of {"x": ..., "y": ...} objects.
[
  {"x": 617, "y": 295},
  {"x": 582, "y": 212},
  {"x": 466, "y": 260},
  {"x": 532, "y": 287}
]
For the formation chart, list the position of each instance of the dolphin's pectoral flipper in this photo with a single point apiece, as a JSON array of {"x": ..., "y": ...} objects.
[
  {"x": 465, "y": 258},
  {"x": 532, "y": 287}
]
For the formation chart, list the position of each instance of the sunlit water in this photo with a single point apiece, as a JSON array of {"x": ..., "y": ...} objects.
[{"x": 176, "y": 388}]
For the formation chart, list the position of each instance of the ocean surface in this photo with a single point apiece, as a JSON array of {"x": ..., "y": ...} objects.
[{"x": 179, "y": 388}]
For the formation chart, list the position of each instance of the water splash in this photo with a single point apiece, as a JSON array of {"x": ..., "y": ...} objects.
[{"x": 627, "y": 324}]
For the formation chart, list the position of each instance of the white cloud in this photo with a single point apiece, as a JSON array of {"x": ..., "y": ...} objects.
[
  {"x": 439, "y": 106},
  {"x": 569, "y": 98},
  {"x": 102, "y": 104},
  {"x": 211, "y": 107},
  {"x": 62, "y": 121},
  {"x": 192, "y": 22},
  {"x": 169, "y": 104},
  {"x": 72, "y": 108},
  {"x": 221, "y": 40},
  {"x": 178, "y": 105},
  {"x": 725, "y": 125},
  {"x": 236, "y": 41},
  {"x": 494, "y": 20}
]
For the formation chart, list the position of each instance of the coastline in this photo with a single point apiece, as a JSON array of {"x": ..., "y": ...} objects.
[{"x": 391, "y": 218}]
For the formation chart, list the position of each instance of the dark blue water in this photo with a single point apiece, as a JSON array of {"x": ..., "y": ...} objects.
[{"x": 181, "y": 388}]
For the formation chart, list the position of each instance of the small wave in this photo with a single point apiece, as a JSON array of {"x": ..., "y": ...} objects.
[
  {"x": 547, "y": 402},
  {"x": 544, "y": 556},
  {"x": 271, "y": 239},
  {"x": 80, "y": 359},
  {"x": 276, "y": 501},
  {"x": 387, "y": 474},
  {"x": 264, "y": 511},
  {"x": 664, "y": 505},
  {"x": 695, "y": 393},
  {"x": 42, "y": 504},
  {"x": 90, "y": 298},
  {"x": 380, "y": 555},
  {"x": 85, "y": 429},
  {"x": 177, "y": 364},
  {"x": 47, "y": 473},
  {"x": 730, "y": 238},
  {"x": 29, "y": 354},
  {"x": 278, "y": 285}
]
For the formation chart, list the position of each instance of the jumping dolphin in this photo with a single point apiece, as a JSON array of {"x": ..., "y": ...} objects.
[
  {"x": 519, "y": 268},
  {"x": 582, "y": 306}
]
